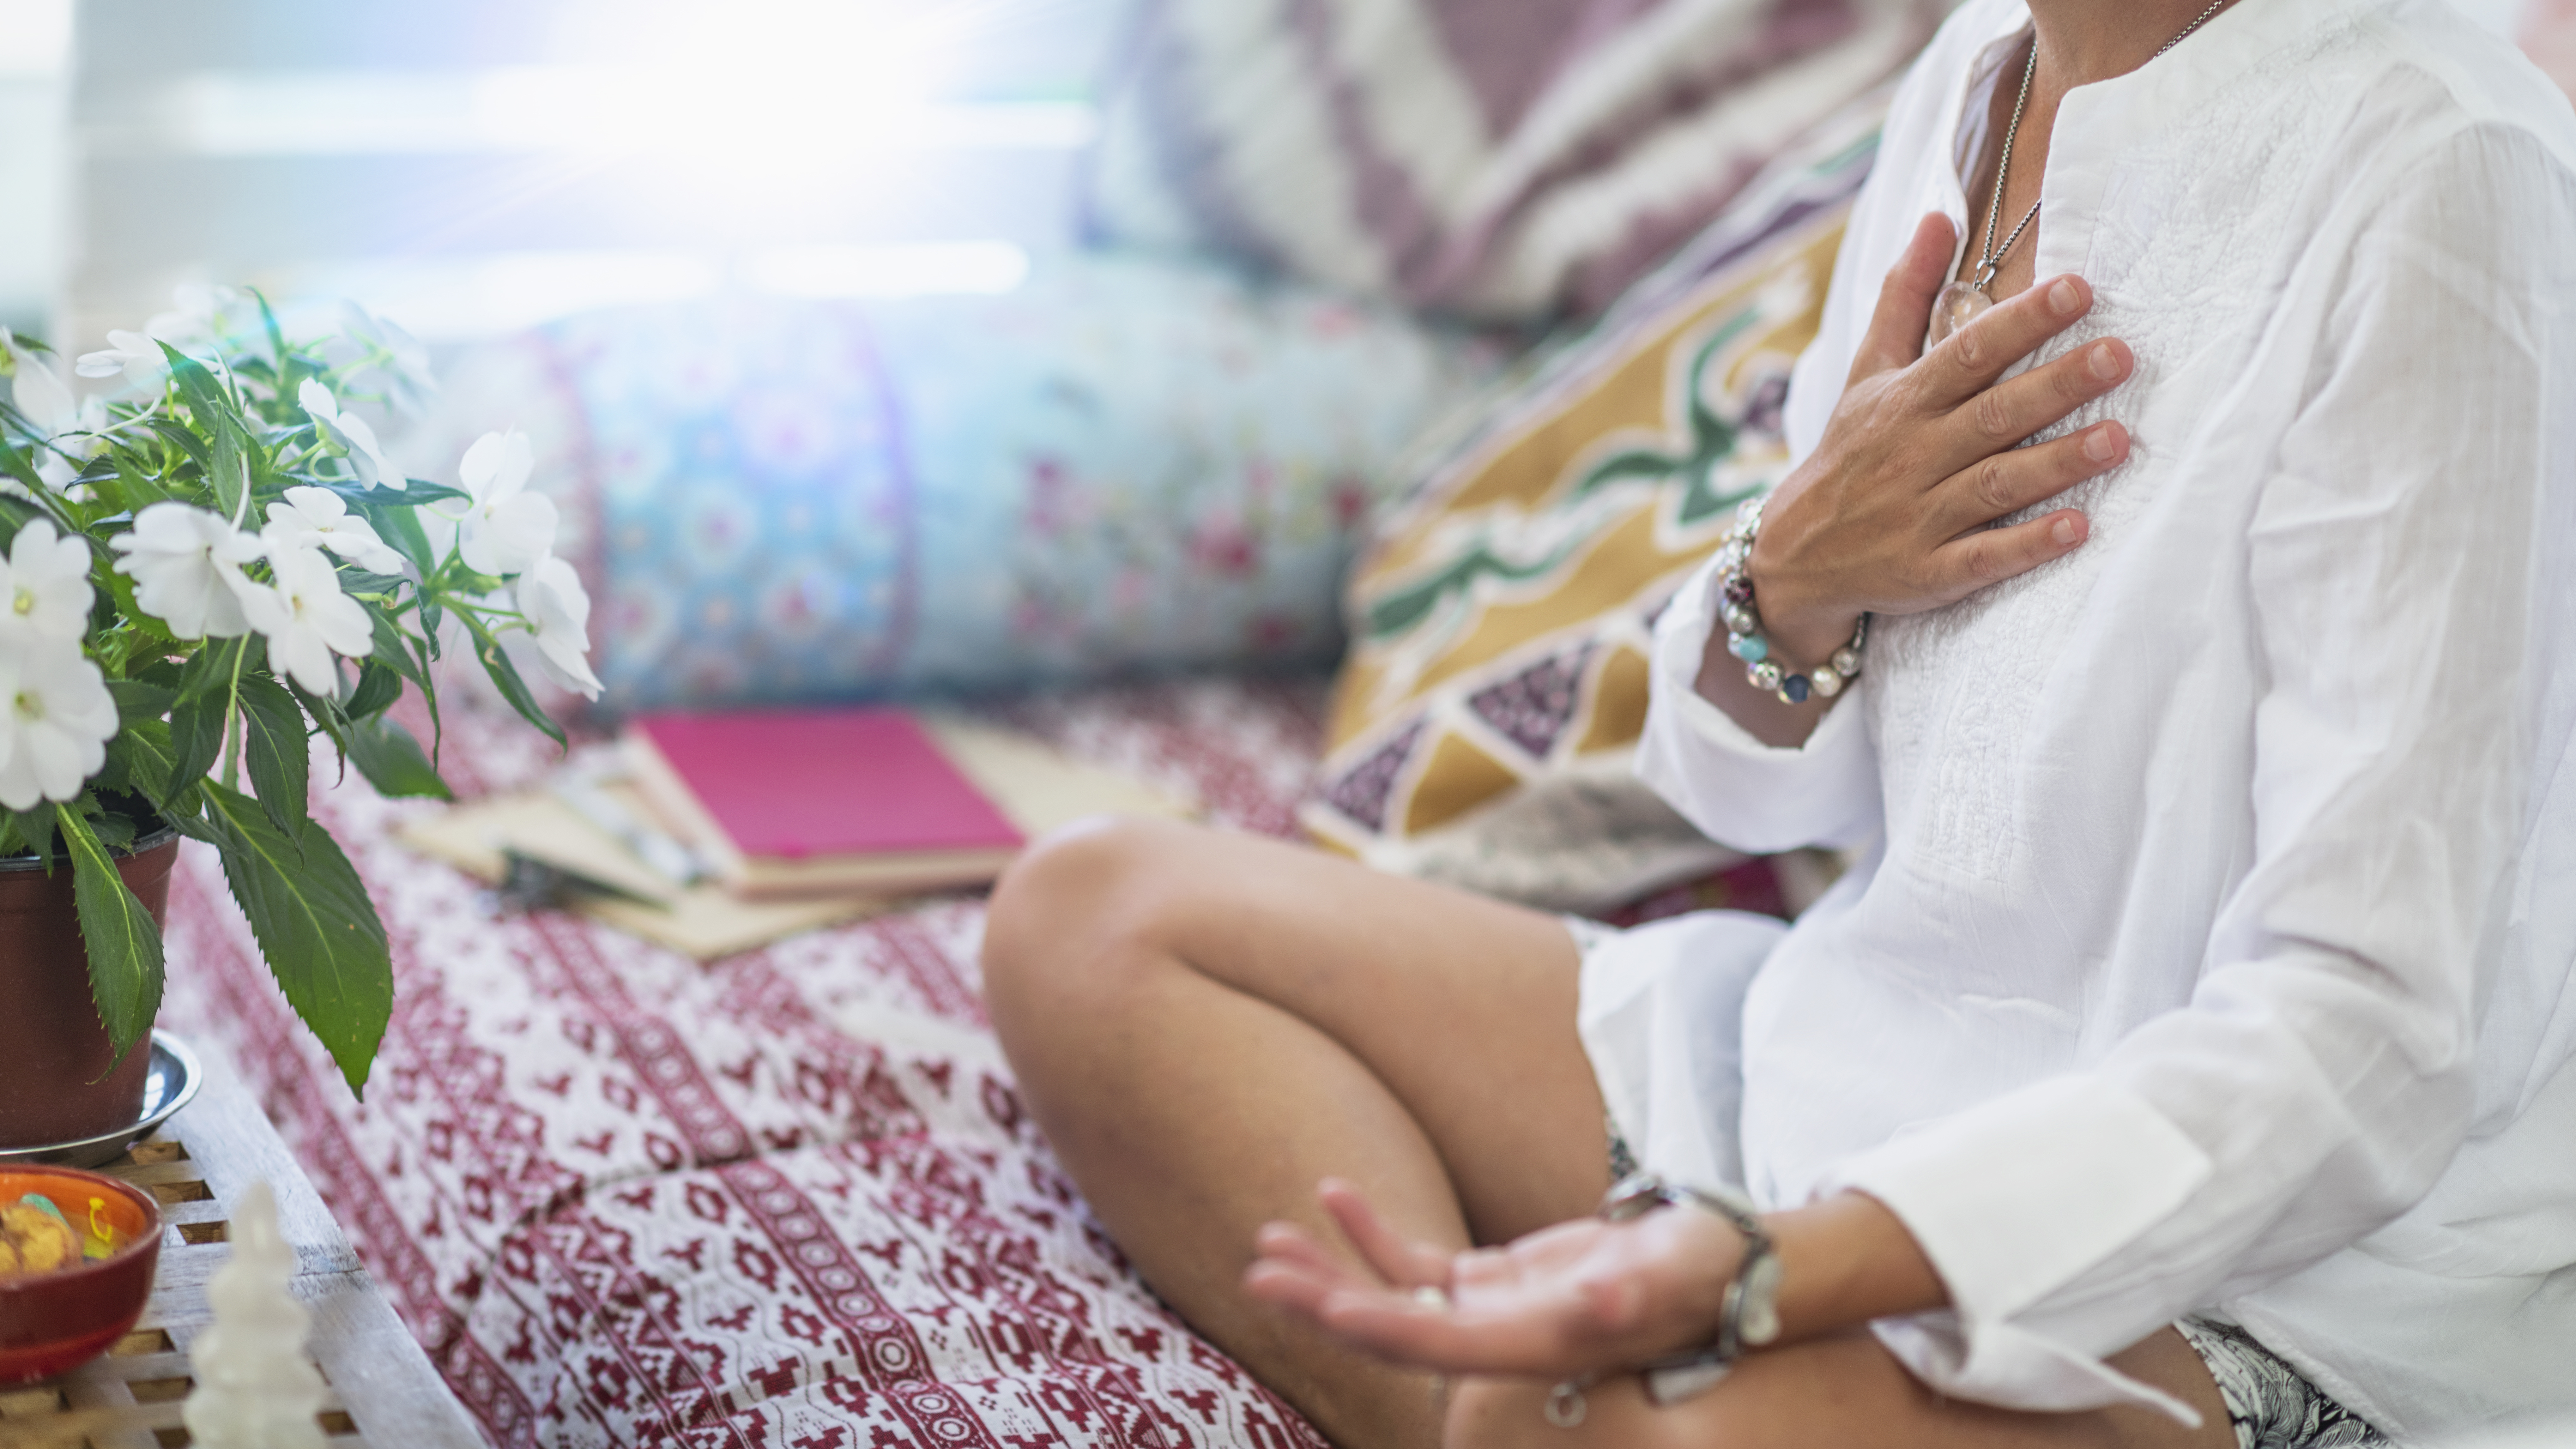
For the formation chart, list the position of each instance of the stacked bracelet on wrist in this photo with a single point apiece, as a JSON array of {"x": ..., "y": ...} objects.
[
  {"x": 1748, "y": 1314},
  {"x": 1745, "y": 639}
]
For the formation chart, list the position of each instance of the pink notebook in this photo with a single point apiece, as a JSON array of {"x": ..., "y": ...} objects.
[{"x": 801, "y": 802}]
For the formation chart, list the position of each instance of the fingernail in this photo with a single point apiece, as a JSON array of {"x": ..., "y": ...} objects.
[
  {"x": 2063, "y": 531},
  {"x": 2097, "y": 445},
  {"x": 2062, "y": 297},
  {"x": 2106, "y": 363}
]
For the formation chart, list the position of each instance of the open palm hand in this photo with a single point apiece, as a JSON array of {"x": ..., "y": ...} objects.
[{"x": 1581, "y": 1295}]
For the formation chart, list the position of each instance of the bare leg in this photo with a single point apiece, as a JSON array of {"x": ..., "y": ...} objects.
[
  {"x": 1846, "y": 1392},
  {"x": 1207, "y": 1024}
]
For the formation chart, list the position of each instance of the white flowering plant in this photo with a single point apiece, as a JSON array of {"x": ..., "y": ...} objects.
[{"x": 203, "y": 575}]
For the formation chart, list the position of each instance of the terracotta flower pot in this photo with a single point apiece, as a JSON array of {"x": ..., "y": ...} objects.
[{"x": 55, "y": 1085}]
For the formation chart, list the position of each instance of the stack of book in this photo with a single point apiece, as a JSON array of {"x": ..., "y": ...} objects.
[
  {"x": 713, "y": 833},
  {"x": 792, "y": 805}
]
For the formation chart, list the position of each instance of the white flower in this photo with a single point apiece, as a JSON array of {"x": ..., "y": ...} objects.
[
  {"x": 40, "y": 395},
  {"x": 56, "y": 718},
  {"x": 406, "y": 363},
  {"x": 352, "y": 433},
  {"x": 557, "y": 612},
  {"x": 306, "y": 618},
  {"x": 131, "y": 353},
  {"x": 319, "y": 518},
  {"x": 504, "y": 529},
  {"x": 46, "y": 402},
  {"x": 200, "y": 316},
  {"x": 186, "y": 566},
  {"x": 72, "y": 447},
  {"x": 44, "y": 583}
]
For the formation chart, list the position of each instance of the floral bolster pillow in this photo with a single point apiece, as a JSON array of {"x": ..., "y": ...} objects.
[{"x": 1122, "y": 466}]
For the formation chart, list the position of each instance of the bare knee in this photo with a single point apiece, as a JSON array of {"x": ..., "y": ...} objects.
[{"x": 1063, "y": 913}]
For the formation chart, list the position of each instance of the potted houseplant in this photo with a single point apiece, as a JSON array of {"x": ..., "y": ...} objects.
[{"x": 196, "y": 580}]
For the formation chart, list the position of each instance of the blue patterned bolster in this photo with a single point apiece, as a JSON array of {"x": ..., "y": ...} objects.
[{"x": 1124, "y": 466}]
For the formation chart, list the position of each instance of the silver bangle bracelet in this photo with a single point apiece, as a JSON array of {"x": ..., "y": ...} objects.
[{"x": 1748, "y": 1317}]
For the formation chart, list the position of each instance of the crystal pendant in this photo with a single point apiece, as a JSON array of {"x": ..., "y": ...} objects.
[{"x": 1957, "y": 306}]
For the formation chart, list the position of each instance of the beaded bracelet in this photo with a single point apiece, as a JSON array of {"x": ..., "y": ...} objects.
[{"x": 1744, "y": 637}]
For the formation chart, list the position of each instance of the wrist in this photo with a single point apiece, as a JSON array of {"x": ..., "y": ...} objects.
[
  {"x": 1715, "y": 1252},
  {"x": 1845, "y": 1261},
  {"x": 1807, "y": 628}
]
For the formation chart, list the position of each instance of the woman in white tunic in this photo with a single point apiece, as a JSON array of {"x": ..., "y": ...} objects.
[{"x": 2187, "y": 1058}]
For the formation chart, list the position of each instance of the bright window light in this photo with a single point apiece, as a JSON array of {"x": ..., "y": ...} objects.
[
  {"x": 564, "y": 108},
  {"x": 35, "y": 37},
  {"x": 497, "y": 294},
  {"x": 887, "y": 271}
]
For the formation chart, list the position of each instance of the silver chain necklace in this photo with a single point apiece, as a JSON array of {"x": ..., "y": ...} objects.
[{"x": 1961, "y": 301}]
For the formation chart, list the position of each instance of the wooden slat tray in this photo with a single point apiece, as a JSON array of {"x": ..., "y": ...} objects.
[{"x": 380, "y": 1387}]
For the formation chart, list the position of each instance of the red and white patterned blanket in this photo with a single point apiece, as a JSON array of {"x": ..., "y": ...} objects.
[{"x": 790, "y": 1199}]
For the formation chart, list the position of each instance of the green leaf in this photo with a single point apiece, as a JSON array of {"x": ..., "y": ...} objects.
[
  {"x": 334, "y": 721},
  {"x": 213, "y": 668},
  {"x": 228, "y": 467},
  {"x": 115, "y": 831},
  {"x": 136, "y": 479},
  {"x": 391, "y": 759},
  {"x": 377, "y": 498},
  {"x": 149, "y": 759},
  {"x": 433, "y": 621},
  {"x": 196, "y": 739},
  {"x": 268, "y": 323},
  {"x": 315, "y": 925},
  {"x": 355, "y": 580},
  {"x": 378, "y": 687},
  {"x": 138, "y": 699},
  {"x": 144, "y": 745},
  {"x": 16, "y": 514},
  {"x": 197, "y": 387},
  {"x": 273, "y": 746},
  {"x": 180, "y": 436},
  {"x": 35, "y": 831},
  {"x": 400, "y": 528},
  {"x": 123, "y": 945},
  {"x": 505, "y": 677},
  {"x": 15, "y": 464},
  {"x": 392, "y": 651},
  {"x": 115, "y": 777}
]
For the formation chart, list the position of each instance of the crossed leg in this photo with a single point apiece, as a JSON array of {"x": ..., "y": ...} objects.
[{"x": 1207, "y": 1024}]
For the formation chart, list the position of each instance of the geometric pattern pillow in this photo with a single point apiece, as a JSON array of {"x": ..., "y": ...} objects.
[{"x": 1485, "y": 721}]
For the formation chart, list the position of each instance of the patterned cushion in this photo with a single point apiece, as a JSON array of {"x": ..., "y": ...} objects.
[
  {"x": 1121, "y": 466},
  {"x": 1485, "y": 720},
  {"x": 1502, "y": 161}
]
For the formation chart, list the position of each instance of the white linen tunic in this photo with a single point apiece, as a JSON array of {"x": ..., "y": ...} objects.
[{"x": 2210, "y": 945}]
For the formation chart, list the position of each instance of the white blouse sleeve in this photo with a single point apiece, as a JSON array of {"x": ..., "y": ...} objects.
[
  {"x": 1737, "y": 790},
  {"x": 2321, "y": 1076}
]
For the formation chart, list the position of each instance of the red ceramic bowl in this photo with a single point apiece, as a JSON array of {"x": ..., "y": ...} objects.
[{"x": 52, "y": 1322}]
